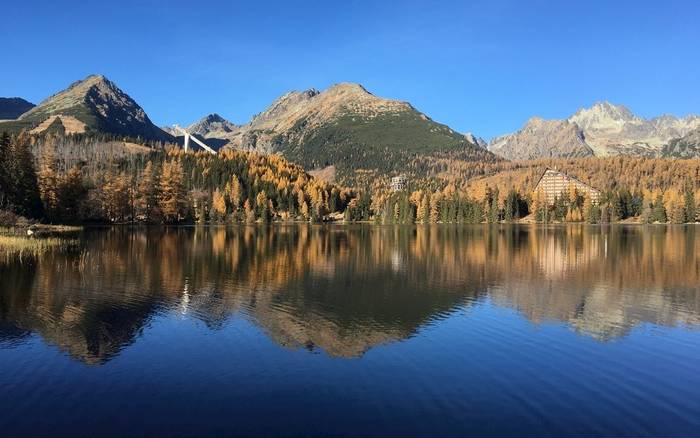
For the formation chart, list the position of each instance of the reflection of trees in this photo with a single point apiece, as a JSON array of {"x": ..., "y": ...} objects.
[
  {"x": 605, "y": 281},
  {"x": 346, "y": 289}
]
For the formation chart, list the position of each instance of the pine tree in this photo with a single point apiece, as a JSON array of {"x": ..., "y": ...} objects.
[
  {"x": 72, "y": 195},
  {"x": 494, "y": 211},
  {"x": 262, "y": 207},
  {"x": 4, "y": 179},
  {"x": 23, "y": 187},
  {"x": 423, "y": 213},
  {"x": 658, "y": 212},
  {"x": 690, "y": 210},
  {"x": 434, "y": 214},
  {"x": 539, "y": 207},
  {"x": 510, "y": 207}
]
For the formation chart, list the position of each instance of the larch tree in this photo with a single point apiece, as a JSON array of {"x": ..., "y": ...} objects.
[
  {"x": 262, "y": 207},
  {"x": 48, "y": 179},
  {"x": 172, "y": 196},
  {"x": 249, "y": 212},
  {"x": 147, "y": 194},
  {"x": 116, "y": 202},
  {"x": 218, "y": 205},
  {"x": 235, "y": 193}
]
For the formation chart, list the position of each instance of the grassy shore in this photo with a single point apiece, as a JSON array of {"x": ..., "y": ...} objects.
[
  {"x": 21, "y": 246},
  {"x": 15, "y": 241}
]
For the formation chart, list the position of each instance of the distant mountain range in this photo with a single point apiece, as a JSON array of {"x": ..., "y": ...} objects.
[
  {"x": 602, "y": 130},
  {"x": 347, "y": 129},
  {"x": 92, "y": 105}
]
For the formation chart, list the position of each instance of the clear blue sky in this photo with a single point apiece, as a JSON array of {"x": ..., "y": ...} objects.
[{"x": 482, "y": 66}]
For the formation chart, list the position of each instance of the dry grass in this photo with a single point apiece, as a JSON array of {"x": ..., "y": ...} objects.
[{"x": 21, "y": 246}]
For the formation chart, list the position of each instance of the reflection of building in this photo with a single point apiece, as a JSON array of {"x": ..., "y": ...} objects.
[
  {"x": 399, "y": 183},
  {"x": 553, "y": 183}
]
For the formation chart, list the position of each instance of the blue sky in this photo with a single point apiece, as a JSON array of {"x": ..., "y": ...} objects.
[{"x": 482, "y": 66}]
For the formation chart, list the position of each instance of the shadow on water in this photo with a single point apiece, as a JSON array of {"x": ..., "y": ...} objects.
[{"x": 343, "y": 289}]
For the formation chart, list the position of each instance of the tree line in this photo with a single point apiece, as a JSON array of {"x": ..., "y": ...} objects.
[
  {"x": 168, "y": 185},
  {"x": 163, "y": 186}
]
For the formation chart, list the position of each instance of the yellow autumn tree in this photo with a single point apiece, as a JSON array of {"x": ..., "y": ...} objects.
[
  {"x": 48, "y": 180},
  {"x": 249, "y": 212},
  {"x": 235, "y": 193},
  {"x": 172, "y": 196},
  {"x": 218, "y": 206},
  {"x": 147, "y": 194}
]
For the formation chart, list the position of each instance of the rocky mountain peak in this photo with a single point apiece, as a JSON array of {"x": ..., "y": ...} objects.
[
  {"x": 603, "y": 115},
  {"x": 212, "y": 125},
  {"x": 214, "y": 118},
  {"x": 604, "y": 129},
  {"x": 473, "y": 139},
  {"x": 542, "y": 138},
  {"x": 348, "y": 88},
  {"x": 96, "y": 103}
]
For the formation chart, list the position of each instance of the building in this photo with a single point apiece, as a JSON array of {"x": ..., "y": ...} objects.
[
  {"x": 554, "y": 183},
  {"x": 399, "y": 183}
]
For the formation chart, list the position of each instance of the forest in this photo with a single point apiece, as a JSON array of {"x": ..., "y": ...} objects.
[
  {"x": 57, "y": 180},
  {"x": 162, "y": 186}
]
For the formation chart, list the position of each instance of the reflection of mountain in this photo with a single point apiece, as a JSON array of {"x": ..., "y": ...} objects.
[{"x": 346, "y": 290}]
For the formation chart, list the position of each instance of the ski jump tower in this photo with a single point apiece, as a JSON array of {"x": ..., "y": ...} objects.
[{"x": 189, "y": 136}]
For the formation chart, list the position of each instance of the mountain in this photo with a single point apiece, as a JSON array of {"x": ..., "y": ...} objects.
[
  {"x": 471, "y": 138},
  {"x": 213, "y": 126},
  {"x": 349, "y": 128},
  {"x": 542, "y": 138},
  {"x": 615, "y": 130},
  {"x": 13, "y": 107},
  {"x": 605, "y": 129},
  {"x": 92, "y": 105},
  {"x": 687, "y": 146}
]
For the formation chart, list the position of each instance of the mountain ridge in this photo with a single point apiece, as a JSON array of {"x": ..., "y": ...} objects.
[
  {"x": 347, "y": 127},
  {"x": 93, "y": 104},
  {"x": 13, "y": 107},
  {"x": 606, "y": 129}
]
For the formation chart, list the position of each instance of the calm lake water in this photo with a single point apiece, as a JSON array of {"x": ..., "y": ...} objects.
[{"x": 355, "y": 331}]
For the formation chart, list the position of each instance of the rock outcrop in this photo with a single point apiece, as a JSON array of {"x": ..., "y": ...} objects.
[{"x": 542, "y": 138}]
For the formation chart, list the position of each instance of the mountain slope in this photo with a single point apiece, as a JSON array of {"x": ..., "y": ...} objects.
[
  {"x": 347, "y": 127},
  {"x": 687, "y": 146},
  {"x": 605, "y": 129},
  {"x": 93, "y": 105},
  {"x": 542, "y": 138},
  {"x": 614, "y": 130},
  {"x": 13, "y": 107}
]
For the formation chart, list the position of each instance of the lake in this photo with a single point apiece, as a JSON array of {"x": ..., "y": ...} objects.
[{"x": 354, "y": 331}]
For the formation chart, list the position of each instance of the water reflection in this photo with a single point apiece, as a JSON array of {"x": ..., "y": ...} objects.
[{"x": 345, "y": 290}]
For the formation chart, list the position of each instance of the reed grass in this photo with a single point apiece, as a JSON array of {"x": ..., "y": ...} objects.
[{"x": 22, "y": 246}]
